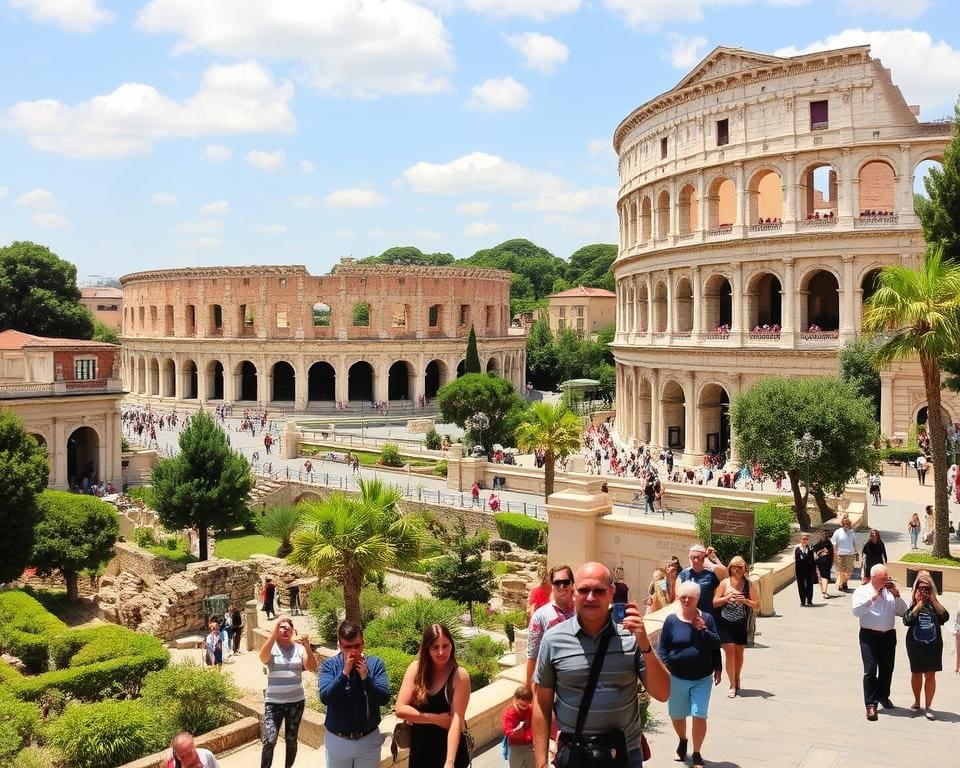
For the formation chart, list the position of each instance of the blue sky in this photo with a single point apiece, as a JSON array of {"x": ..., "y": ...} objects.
[{"x": 146, "y": 135}]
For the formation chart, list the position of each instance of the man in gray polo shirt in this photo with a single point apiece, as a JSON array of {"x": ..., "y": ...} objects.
[{"x": 563, "y": 666}]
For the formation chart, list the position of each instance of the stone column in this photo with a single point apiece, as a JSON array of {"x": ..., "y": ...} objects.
[
  {"x": 736, "y": 386},
  {"x": 790, "y": 190},
  {"x": 788, "y": 303},
  {"x": 656, "y": 415},
  {"x": 741, "y": 198},
  {"x": 649, "y": 307},
  {"x": 845, "y": 210},
  {"x": 300, "y": 382},
  {"x": 689, "y": 426},
  {"x": 573, "y": 515},
  {"x": 846, "y": 313},
  {"x": 201, "y": 364},
  {"x": 342, "y": 380},
  {"x": 229, "y": 382},
  {"x": 670, "y": 306},
  {"x": 178, "y": 384},
  {"x": 737, "y": 301},
  {"x": 697, "y": 301}
]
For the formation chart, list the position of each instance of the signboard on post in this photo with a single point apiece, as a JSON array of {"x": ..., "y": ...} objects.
[{"x": 732, "y": 522}]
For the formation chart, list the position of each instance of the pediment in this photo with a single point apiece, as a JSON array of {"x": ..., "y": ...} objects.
[{"x": 724, "y": 61}]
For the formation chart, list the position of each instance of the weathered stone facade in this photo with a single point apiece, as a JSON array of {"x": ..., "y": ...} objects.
[
  {"x": 278, "y": 337},
  {"x": 759, "y": 199}
]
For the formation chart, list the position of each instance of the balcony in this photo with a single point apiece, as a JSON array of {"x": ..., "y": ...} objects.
[
  {"x": 24, "y": 389},
  {"x": 819, "y": 339},
  {"x": 722, "y": 231},
  {"x": 876, "y": 222},
  {"x": 767, "y": 227},
  {"x": 828, "y": 223},
  {"x": 716, "y": 335},
  {"x": 756, "y": 335},
  {"x": 685, "y": 236}
]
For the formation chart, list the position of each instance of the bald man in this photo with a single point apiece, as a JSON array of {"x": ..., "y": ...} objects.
[{"x": 186, "y": 754}]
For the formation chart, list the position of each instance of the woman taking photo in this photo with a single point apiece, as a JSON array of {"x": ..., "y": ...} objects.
[
  {"x": 924, "y": 641},
  {"x": 823, "y": 554},
  {"x": 433, "y": 698},
  {"x": 732, "y": 604}
]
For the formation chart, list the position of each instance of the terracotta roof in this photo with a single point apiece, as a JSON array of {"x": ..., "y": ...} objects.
[
  {"x": 11, "y": 339},
  {"x": 101, "y": 292},
  {"x": 583, "y": 291}
]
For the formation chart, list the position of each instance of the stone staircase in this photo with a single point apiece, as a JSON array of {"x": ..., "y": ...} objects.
[{"x": 263, "y": 489}]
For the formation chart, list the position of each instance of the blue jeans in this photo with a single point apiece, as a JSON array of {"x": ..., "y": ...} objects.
[
  {"x": 914, "y": 535},
  {"x": 649, "y": 506}
]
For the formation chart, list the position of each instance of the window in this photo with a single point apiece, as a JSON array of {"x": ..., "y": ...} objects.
[
  {"x": 561, "y": 324},
  {"x": 819, "y": 115},
  {"x": 579, "y": 311},
  {"x": 321, "y": 315},
  {"x": 464, "y": 313},
  {"x": 283, "y": 282},
  {"x": 361, "y": 316},
  {"x": 580, "y": 325},
  {"x": 85, "y": 368},
  {"x": 107, "y": 307},
  {"x": 563, "y": 311},
  {"x": 723, "y": 132},
  {"x": 434, "y": 316},
  {"x": 282, "y": 316},
  {"x": 663, "y": 148}
]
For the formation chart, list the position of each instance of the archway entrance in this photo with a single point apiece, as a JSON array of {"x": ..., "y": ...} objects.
[
  {"x": 215, "y": 380},
  {"x": 168, "y": 379},
  {"x": 461, "y": 368},
  {"x": 718, "y": 304},
  {"x": 321, "y": 382},
  {"x": 284, "y": 382},
  {"x": 822, "y": 308},
  {"x": 714, "y": 409},
  {"x": 189, "y": 380},
  {"x": 399, "y": 381},
  {"x": 360, "y": 381},
  {"x": 434, "y": 378},
  {"x": 767, "y": 300},
  {"x": 248, "y": 381},
  {"x": 83, "y": 458},
  {"x": 673, "y": 407}
]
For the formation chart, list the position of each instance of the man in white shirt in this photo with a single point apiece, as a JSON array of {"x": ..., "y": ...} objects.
[
  {"x": 877, "y": 604},
  {"x": 921, "y": 465},
  {"x": 186, "y": 754},
  {"x": 845, "y": 550}
]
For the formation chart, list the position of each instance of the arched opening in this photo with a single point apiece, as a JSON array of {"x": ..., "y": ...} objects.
[
  {"x": 83, "y": 458},
  {"x": 663, "y": 215},
  {"x": 248, "y": 381},
  {"x": 321, "y": 382},
  {"x": 435, "y": 318},
  {"x": 714, "y": 410},
  {"x": 646, "y": 218},
  {"x": 673, "y": 408},
  {"x": 660, "y": 307},
  {"x": 461, "y": 368},
  {"x": 189, "y": 381},
  {"x": 154, "y": 385},
  {"x": 141, "y": 384},
  {"x": 284, "y": 382},
  {"x": 765, "y": 193},
  {"x": 643, "y": 411},
  {"x": 876, "y": 189},
  {"x": 632, "y": 221},
  {"x": 642, "y": 309},
  {"x": 818, "y": 192},
  {"x": 492, "y": 365},
  {"x": 687, "y": 210},
  {"x": 434, "y": 378},
  {"x": 717, "y": 304},
  {"x": 822, "y": 307},
  {"x": 360, "y": 381},
  {"x": 684, "y": 306},
  {"x": 400, "y": 381},
  {"x": 765, "y": 299},
  {"x": 921, "y": 174},
  {"x": 214, "y": 380},
  {"x": 168, "y": 378},
  {"x": 321, "y": 315},
  {"x": 868, "y": 287},
  {"x": 721, "y": 204}
]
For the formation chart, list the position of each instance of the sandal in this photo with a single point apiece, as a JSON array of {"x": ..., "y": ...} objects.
[
  {"x": 732, "y": 693},
  {"x": 915, "y": 707},
  {"x": 682, "y": 750},
  {"x": 697, "y": 760},
  {"x": 929, "y": 715}
]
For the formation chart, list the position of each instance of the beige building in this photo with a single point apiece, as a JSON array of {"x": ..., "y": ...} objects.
[
  {"x": 758, "y": 200},
  {"x": 67, "y": 393},
  {"x": 584, "y": 310},
  {"x": 278, "y": 337},
  {"x": 105, "y": 304}
]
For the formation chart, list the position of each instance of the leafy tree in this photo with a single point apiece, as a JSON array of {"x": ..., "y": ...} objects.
[
  {"x": 555, "y": 429},
  {"x": 471, "y": 363},
  {"x": 345, "y": 538},
  {"x": 591, "y": 266},
  {"x": 409, "y": 255},
  {"x": 279, "y": 523},
  {"x": 75, "y": 533},
  {"x": 463, "y": 576},
  {"x": 24, "y": 471},
  {"x": 570, "y": 356},
  {"x": 769, "y": 417},
  {"x": 917, "y": 312},
  {"x": 205, "y": 485},
  {"x": 542, "y": 356},
  {"x": 482, "y": 392},
  {"x": 535, "y": 269},
  {"x": 940, "y": 214},
  {"x": 858, "y": 370},
  {"x": 103, "y": 332},
  {"x": 39, "y": 294}
]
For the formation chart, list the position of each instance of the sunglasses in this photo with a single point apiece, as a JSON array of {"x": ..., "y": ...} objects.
[
  {"x": 562, "y": 582},
  {"x": 587, "y": 591}
]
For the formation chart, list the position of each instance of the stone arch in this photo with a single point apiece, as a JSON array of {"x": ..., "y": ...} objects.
[
  {"x": 721, "y": 203},
  {"x": 215, "y": 380},
  {"x": 876, "y": 188},
  {"x": 360, "y": 381},
  {"x": 140, "y": 365},
  {"x": 646, "y": 218},
  {"x": 922, "y": 413},
  {"x": 321, "y": 382},
  {"x": 818, "y": 191},
  {"x": 83, "y": 457},
  {"x": 765, "y": 300},
  {"x": 717, "y": 302},
  {"x": 684, "y": 305},
  {"x": 168, "y": 378},
  {"x": 921, "y": 169},
  {"x": 821, "y": 307},
  {"x": 434, "y": 377},
  {"x": 713, "y": 410},
  {"x": 189, "y": 379},
  {"x": 660, "y": 307},
  {"x": 283, "y": 382},
  {"x": 246, "y": 375},
  {"x": 461, "y": 368},
  {"x": 492, "y": 365},
  {"x": 765, "y": 196},
  {"x": 869, "y": 282},
  {"x": 687, "y": 210},
  {"x": 153, "y": 386},
  {"x": 632, "y": 216},
  {"x": 643, "y": 417},
  {"x": 642, "y": 305},
  {"x": 400, "y": 381},
  {"x": 663, "y": 214},
  {"x": 673, "y": 410}
]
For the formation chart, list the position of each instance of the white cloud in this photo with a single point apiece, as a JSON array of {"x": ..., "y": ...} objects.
[
  {"x": 541, "y": 10},
  {"x": 215, "y": 207},
  {"x": 217, "y": 153},
  {"x": 355, "y": 197},
  {"x": 205, "y": 243},
  {"x": 541, "y": 52},
  {"x": 268, "y": 162},
  {"x": 68, "y": 15},
  {"x": 241, "y": 98},
  {"x": 599, "y": 146},
  {"x": 307, "y": 167},
  {"x": 306, "y": 201},
  {"x": 50, "y": 220},
  {"x": 164, "y": 198},
  {"x": 37, "y": 198},
  {"x": 926, "y": 71},
  {"x": 205, "y": 226},
  {"x": 685, "y": 52},
  {"x": 477, "y": 208},
  {"x": 575, "y": 200},
  {"x": 4, "y": 192},
  {"x": 480, "y": 173},
  {"x": 498, "y": 95},
  {"x": 653, "y": 14},
  {"x": 896, "y": 8},
  {"x": 361, "y": 48},
  {"x": 269, "y": 229},
  {"x": 427, "y": 235},
  {"x": 482, "y": 229}
]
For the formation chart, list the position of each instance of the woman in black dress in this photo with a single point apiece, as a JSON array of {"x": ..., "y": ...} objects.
[
  {"x": 874, "y": 553},
  {"x": 924, "y": 641},
  {"x": 823, "y": 554},
  {"x": 433, "y": 698},
  {"x": 732, "y": 603}
]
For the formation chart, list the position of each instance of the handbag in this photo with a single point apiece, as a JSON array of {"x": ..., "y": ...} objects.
[{"x": 402, "y": 733}]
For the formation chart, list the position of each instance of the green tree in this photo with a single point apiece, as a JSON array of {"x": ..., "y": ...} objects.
[
  {"x": 205, "y": 485},
  {"x": 553, "y": 428},
  {"x": 769, "y": 417},
  {"x": 39, "y": 294},
  {"x": 471, "y": 363},
  {"x": 24, "y": 471},
  {"x": 487, "y": 393},
  {"x": 535, "y": 269},
  {"x": 279, "y": 523},
  {"x": 463, "y": 576},
  {"x": 542, "y": 356},
  {"x": 75, "y": 533},
  {"x": 570, "y": 356},
  {"x": 591, "y": 266},
  {"x": 345, "y": 538},
  {"x": 939, "y": 213},
  {"x": 857, "y": 369},
  {"x": 916, "y": 312},
  {"x": 103, "y": 332},
  {"x": 408, "y": 255}
]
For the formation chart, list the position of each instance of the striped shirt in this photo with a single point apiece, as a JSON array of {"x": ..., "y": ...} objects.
[
  {"x": 285, "y": 675},
  {"x": 563, "y": 664}
]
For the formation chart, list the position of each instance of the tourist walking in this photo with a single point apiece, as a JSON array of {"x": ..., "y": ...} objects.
[
  {"x": 613, "y": 657},
  {"x": 845, "y": 551},
  {"x": 236, "y": 621},
  {"x": 285, "y": 660},
  {"x": 929, "y": 524},
  {"x": 823, "y": 554},
  {"x": 874, "y": 552},
  {"x": 708, "y": 578},
  {"x": 433, "y": 698},
  {"x": 921, "y": 465},
  {"x": 690, "y": 649},
  {"x": 560, "y": 608},
  {"x": 732, "y": 605},
  {"x": 268, "y": 594},
  {"x": 517, "y": 725},
  {"x": 877, "y": 604},
  {"x": 923, "y": 619},
  {"x": 805, "y": 567},
  {"x": 475, "y": 494},
  {"x": 352, "y": 687},
  {"x": 213, "y": 647},
  {"x": 913, "y": 528}
]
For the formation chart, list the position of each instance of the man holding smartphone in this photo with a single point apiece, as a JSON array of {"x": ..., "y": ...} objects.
[{"x": 877, "y": 604}]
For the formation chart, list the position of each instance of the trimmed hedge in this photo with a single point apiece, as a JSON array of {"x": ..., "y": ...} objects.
[
  {"x": 774, "y": 525},
  {"x": 520, "y": 529},
  {"x": 19, "y": 721},
  {"x": 26, "y": 628},
  {"x": 396, "y": 662},
  {"x": 106, "y": 733},
  {"x": 189, "y": 697},
  {"x": 899, "y": 454}
]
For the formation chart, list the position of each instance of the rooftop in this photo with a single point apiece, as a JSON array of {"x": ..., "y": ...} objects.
[
  {"x": 11, "y": 340},
  {"x": 582, "y": 290}
]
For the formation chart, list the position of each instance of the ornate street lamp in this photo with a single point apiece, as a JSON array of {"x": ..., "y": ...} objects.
[
  {"x": 807, "y": 449},
  {"x": 480, "y": 422}
]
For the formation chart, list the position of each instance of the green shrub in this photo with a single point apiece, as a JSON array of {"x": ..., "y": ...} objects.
[
  {"x": 441, "y": 468},
  {"x": 18, "y": 723},
  {"x": 520, "y": 529},
  {"x": 326, "y": 607},
  {"x": 190, "y": 697},
  {"x": 144, "y": 493},
  {"x": 106, "y": 734},
  {"x": 80, "y": 647},
  {"x": 481, "y": 657},
  {"x": 898, "y": 454},
  {"x": 26, "y": 628},
  {"x": 432, "y": 440},
  {"x": 403, "y": 628},
  {"x": 34, "y": 757},
  {"x": 396, "y": 663},
  {"x": 926, "y": 557},
  {"x": 390, "y": 456},
  {"x": 144, "y": 536},
  {"x": 774, "y": 525}
]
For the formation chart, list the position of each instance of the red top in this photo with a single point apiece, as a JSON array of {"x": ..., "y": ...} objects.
[
  {"x": 511, "y": 719},
  {"x": 539, "y": 596}
]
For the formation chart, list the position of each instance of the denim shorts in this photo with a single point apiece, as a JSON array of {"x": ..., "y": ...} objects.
[{"x": 689, "y": 697}]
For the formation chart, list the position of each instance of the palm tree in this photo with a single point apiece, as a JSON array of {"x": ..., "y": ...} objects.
[
  {"x": 345, "y": 538},
  {"x": 279, "y": 523},
  {"x": 553, "y": 428},
  {"x": 917, "y": 312}
]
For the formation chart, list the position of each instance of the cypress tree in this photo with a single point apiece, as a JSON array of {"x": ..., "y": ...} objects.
[{"x": 472, "y": 362}]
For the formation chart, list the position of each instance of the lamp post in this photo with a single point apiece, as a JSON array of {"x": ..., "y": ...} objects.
[
  {"x": 807, "y": 449},
  {"x": 480, "y": 422}
]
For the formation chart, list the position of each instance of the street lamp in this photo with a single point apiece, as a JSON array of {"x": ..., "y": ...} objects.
[
  {"x": 807, "y": 449},
  {"x": 480, "y": 422}
]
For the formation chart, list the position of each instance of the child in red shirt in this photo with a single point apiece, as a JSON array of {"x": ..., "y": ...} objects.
[{"x": 518, "y": 728}]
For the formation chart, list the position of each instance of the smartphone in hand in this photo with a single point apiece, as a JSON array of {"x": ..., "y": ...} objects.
[{"x": 619, "y": 612}]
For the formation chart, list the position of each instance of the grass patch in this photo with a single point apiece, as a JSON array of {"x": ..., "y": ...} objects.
[
  {"x": 174, "y": 555},
  {"x": 239, "y": 545},
  {"x": 366, "y": 458},
  {"x": 928, "y": 559}
]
